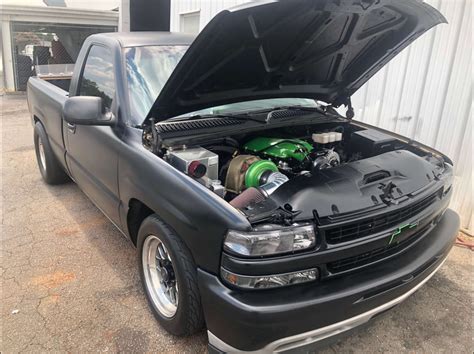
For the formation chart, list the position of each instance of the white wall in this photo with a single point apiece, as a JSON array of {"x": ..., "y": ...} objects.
[
  {"x": 207, "y": 8},
  {"x": 425, "y": 93}
]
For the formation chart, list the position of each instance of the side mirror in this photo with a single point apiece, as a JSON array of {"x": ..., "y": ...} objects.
[{"x": 86, "y": 110}]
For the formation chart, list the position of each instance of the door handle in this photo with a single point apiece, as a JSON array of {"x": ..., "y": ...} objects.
[{"x": 71, "y": 127}]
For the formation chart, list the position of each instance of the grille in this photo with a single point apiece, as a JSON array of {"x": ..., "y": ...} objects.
[
  {"x": 376, "y": 224},
  {"x": 374, "y": 255},
  {"x": 196, "y": 124}
]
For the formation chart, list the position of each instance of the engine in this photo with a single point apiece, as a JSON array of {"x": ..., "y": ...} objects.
[
  {"x": 252, "y": 171},
  {"x": 296, "y": 156},
  {"x": 292, "y": 172}
]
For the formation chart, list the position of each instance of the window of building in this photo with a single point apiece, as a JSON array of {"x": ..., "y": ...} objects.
[
  {"x": 98, "y": 76},
  {"x": 189, "y": 22}
]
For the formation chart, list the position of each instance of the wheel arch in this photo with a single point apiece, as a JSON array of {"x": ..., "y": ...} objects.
[
  {"x": 137, "y": 212},
  {"x": 37, "y": 119}
]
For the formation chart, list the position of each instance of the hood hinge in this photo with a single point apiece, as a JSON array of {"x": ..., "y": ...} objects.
[{"x": 155, "y": 143}]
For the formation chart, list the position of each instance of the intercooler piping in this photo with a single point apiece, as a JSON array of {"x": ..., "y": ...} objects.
[
  {"x": 274, "y": 181},
  {"x": 255, "y": 195}
]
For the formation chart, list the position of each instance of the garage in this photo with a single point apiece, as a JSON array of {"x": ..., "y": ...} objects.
[{"x": 46, "y": 38}]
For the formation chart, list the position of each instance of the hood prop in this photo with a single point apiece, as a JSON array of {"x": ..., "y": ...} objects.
[{"x": 350, "y": 110}]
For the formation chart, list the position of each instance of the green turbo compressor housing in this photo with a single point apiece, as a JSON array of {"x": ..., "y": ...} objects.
[
  {"x": 253, "y": 177},
  {"x": 279, "y": 148}
]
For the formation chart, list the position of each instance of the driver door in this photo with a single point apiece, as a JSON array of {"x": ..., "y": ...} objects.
[{"x": 91, "y": 150}]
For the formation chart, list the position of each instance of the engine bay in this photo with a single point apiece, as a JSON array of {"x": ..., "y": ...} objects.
[
  {"x": 282, "y": 168},
  {"x": 262, "y": 162}
]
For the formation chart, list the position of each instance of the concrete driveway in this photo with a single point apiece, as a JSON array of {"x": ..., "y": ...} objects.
[{"x": 70, "y": 282}]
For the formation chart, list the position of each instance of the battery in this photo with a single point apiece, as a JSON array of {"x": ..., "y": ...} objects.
[{"x": 371, "y": 142}]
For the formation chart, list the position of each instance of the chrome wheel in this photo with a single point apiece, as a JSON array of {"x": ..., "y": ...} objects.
[
  {"x": 42, "y": 155},
  {"x": 160, "y": 278}
]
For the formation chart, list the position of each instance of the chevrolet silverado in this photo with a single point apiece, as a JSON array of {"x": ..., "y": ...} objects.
[{"x": 258, "y": 210}]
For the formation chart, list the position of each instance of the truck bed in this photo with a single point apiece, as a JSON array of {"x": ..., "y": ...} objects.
[
  {"x": 46, "y": 99},
  {"x": 63, "y": 82}
]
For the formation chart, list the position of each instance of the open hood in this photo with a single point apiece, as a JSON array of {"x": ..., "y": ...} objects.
[{"x": 319, "y": 49}]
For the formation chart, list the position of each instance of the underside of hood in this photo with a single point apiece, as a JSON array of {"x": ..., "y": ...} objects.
[{"x": 319, "y": 49}]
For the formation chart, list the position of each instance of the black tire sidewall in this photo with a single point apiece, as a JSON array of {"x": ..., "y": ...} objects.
[
  {"x": 180, "y": 324},
  {"x": 39, "y": 133},
  {"x": 54, "y": 173}
]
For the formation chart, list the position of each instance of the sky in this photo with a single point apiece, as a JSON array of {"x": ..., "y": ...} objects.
[{"x": 83, "y": 4}]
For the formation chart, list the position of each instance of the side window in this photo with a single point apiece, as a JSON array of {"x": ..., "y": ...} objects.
[{"x": 98, "y": 76}]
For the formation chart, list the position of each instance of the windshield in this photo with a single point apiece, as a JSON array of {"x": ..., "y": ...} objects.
[{"x": 148, "y": 68}]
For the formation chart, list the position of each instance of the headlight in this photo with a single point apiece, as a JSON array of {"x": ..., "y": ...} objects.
[
  {"x": 270, "y": 240},
  {"x": 270, "y": 281}
]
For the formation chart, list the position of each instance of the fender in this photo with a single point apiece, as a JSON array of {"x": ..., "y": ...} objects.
[{"x": 195, "y": 213}]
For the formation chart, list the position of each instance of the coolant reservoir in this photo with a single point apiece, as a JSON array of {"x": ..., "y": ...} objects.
[
  {"x": 325, "y": 138},
  {"x": 320, "y": 138}
]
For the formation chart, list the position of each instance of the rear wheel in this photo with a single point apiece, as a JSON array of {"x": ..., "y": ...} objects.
[
  {"x": 169, "y": 278},
  {"x": 48, "y": 164}
]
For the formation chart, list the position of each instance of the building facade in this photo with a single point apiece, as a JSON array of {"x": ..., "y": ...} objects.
[
  {"x": 39, "y": 36},
  {"x": 425, "y": 93}
]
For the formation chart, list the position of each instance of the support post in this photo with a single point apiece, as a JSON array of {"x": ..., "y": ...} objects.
[
  {"x": 8, "y": 56},
  {"x": 149, "y": 15},
  {"x": 124, "y": 16}
]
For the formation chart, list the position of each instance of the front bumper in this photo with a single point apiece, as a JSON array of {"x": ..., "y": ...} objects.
[{"x": 302, "y": 315}]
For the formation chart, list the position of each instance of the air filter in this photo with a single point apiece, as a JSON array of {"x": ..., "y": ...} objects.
[{"x": 247, "y": 197}]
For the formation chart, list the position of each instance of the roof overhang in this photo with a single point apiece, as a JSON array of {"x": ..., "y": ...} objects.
[{"x": 49, "y": 14}]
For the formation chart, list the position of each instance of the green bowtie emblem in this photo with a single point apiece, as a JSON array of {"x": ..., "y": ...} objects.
[{"x": 400, "y": 230}]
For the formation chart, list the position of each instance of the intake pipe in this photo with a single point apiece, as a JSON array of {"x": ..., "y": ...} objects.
[{"x": 272, "y": 181}]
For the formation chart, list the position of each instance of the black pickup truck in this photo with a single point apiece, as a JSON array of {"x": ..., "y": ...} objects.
[{"x": 257, "y": 209}]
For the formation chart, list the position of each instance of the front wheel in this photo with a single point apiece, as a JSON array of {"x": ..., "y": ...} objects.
[{"x": 169, "y": 278}]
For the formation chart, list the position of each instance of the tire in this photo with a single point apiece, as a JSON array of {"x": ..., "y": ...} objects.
[
  {"x": 187, "y": 317},
  {"x": 48, "y": 164}
]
